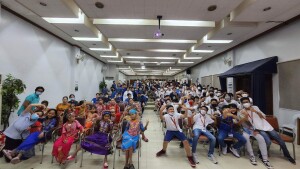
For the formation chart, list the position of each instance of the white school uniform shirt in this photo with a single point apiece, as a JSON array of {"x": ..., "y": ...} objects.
[
  {"x": 170, "y": 122},
  {"x": 125, "y": 95},
  {"x": 257, "y": 122},
  {"x": 190, "y": 113},
  {"x": 212, "y": 112},
  {"x": 201, "y": 122},
  {"x": 174, "y": 105}
]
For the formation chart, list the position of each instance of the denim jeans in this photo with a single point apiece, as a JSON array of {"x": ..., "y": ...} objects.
[
  {"x": 224, "y": 134},
  {"x": 268, "y": 135},
  {"x": 211, "y": 138}
]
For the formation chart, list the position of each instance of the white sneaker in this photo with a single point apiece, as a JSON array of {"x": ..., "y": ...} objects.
[
  {"x": 195, "y": 157},
  {"x": 224, "y": 150},
  {"x": 267, "y": 164},
  {"x": 253, "y": 160},
  {"x": 212, "y": 158},
  {"x": 234, "y": 152}
]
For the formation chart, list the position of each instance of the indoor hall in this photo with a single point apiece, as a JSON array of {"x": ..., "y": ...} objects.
[{"x": 62, "y": 57}]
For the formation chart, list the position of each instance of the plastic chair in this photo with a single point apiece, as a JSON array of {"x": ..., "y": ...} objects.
[{"x": 286, "y": 138}]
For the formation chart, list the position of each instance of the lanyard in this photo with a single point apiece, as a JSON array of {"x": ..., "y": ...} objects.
[
  {"x": 173, "y": 120},
  {"x": 203, "y": 122},
  {"x": 251, "y": 117}
]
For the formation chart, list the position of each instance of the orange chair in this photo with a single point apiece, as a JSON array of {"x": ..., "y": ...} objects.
[{"x": 286, "y": 138}]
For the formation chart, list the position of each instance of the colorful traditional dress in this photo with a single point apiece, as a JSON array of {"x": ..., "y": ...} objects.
[
  {"x": 132, "y": 134},
  {"x": 62, "y": 145},
  {"x": 99, "y": 143}
]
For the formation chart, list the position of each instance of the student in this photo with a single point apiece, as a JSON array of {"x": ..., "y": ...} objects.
[
  {"x": 131, "y": 137},
  {"x": 213, "y": 108},
  {"x": 22, "y": 152},
  {"x": 264, "y": 128},
  {"x": 62, "y": 145},
  {"x": 31, "y": 99},
  {"x": 249, "y": 130},
  {"x": 227, "y": 121},
  {"x": 174, "y": 130},
  {"x": 100, "y": 141},
  {"x": 72, "y": 100},
  {"x": 96, "y": 99},
  {"x": 200, "y": 122},
  {"x": 211, "y": 96}
]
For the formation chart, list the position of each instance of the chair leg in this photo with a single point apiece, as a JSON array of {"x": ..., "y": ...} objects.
[
  {"x": 52, "y": 159},
  {"x": 114, "y": 157},
  {"x": 294, "y": 151},
  {"x": 43, "y": 146},
  {"x": 81, "y": 157},
  {"x": 139, "y": 155},
  {"x": 76, "y": 154}
]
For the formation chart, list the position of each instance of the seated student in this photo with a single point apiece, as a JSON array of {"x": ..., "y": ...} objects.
[
  {"x": 22, "y": 152},
  {"x": 115, "y": 108},
  {"x": 100, "y": 106},
  {"x": 19, "y": 129},
  {"x": 91, "y": 117},
  {"x": 174, "y": 130},
  {"x": 211, "y": 96},
  {"x": 62, "y": 145},
  {"x": 129, "y": 96},
  {"x": 100, "y": 141},
  {"x": 265, "y": 129},
  {"x": 249, "y": 130},
  {"x": 131, "y": 137},
  {"x": 72, "y": 100},
  {"x": 119, "y": 98},
  {"x": 200, "y": 121},
  {"x": 213, "y": 108},
  {"x": 227, "y": 122},
  {"x": 230, "y": 100}
]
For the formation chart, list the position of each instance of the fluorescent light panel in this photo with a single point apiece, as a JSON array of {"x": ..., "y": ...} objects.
[
  {"x": 79, "y": 20},
  {"x": 145, "y": 57},
  {"x": 205, "y": 40},
  {"x": 184, "y": 23},
  {"x": 151, "y": 40}
]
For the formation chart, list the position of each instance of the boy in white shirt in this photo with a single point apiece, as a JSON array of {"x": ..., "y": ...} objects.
[
  {"x": 200, "y": 122},
  {"x": 174, "y": 130}
]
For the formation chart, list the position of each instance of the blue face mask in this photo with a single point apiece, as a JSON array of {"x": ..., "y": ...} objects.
[
  {"x": 34, "y": 116},
  {"x": 38, "y": 93}
]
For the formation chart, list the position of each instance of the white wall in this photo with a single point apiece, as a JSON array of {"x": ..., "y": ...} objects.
[
  {"x": 122, "y": 77},
  {"x": 283, "y": 42},
  {"x": 40, "y": 59}
]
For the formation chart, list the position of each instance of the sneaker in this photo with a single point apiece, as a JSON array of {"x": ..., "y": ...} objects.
[
  {"x": 291, "y": 160},
  {"x": 253, "y": 160},
  {"x": 234, "y": 152},
  {"x": 267, "y": 164},
  {"x": 160, "y": 153},
  {"x": 195, "y": 158},
  {"x": 192, "y": 162},
  {"x": 7, "y": 153},
  {"x": 212, "y": 158},
  {"x": 15, "y": 160},
  {"x": 181, "y": 145},
  {"x": 224, "y": 150}
]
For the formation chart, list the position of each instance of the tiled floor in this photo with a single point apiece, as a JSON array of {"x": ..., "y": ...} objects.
[{"x": 175, "y": 159}]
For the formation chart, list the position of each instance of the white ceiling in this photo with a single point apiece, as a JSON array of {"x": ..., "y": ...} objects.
[{"x": 236, "y": 20}]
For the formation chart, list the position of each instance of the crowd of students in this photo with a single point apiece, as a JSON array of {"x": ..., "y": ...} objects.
[{"x": 118, "y": 113}]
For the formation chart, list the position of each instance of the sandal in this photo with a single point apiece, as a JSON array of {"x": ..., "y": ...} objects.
[
  {"x": 15, "y": 160},
  {"x": 145, "y": 139},
  {"x": 7, "y": 153},
  {"x": 71, "y": 157}
]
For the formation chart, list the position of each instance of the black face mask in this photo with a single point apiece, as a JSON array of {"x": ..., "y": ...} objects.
[
  {"x": 211, "y": 94},
  {"x": 214, "y": 105}
]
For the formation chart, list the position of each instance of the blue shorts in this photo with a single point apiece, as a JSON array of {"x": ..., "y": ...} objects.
[{"x": 171, "y": 134}]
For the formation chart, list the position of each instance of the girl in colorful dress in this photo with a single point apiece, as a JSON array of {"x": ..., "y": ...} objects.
[
  {"x": 22, "y": 151},
  {"x": 62, "y": 145},
  {"x": 131, "y": 137},
  {"x": 99, "y": 143}
]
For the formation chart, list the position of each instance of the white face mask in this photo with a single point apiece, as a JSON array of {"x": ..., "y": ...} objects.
[
  {"x": 246, "y": 105},
  {"x": 218, "y": 94},
  {"x": 38, "y": 93},
  {"x": 202, "y": 112},
  {"x": 227, "y": 98},
  {"x": 198, "y": 87},
  {"x": 245, "y": 95}
]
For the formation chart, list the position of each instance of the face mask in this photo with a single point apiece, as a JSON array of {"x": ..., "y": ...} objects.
[
  {"x": 218, "y": 94},
  {"x": 202, "y": 112},
  {"x": 106, "y": 96},
  {"x": 38, "y": 93},
  {"x": 191, "y": 103},
  {"x": 246, "y": 105},
  {"x": 203, "y": 91},
  {"x": 245, "y": 95},
  {"x": 72, "y": 99},
  {"x": 227, "y": 98},
  {"x": 198, "y": 87},
  {"x": 211, "y": 95},
  {"x": 214, "y": 105},
  {"x": 215, "y": 91},
  {"x": 34, "y": 116}
]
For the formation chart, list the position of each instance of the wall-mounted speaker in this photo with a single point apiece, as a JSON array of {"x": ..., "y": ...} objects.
[{"x": 188, "y": 71}]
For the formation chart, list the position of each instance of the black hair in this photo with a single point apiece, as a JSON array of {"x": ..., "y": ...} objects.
[
  {"x": 213, "y": 100},
  {"x": 80, "y": 102},
  {"x": 55, "y": 116},
  {"x": 233, "y": 106},
  {"x": 39, "y": 87},
  {"x": 225, "y": 107},
  {"x": 206, "y": 108},
  {"x": 65, "y": 97},
  {"x": 244, "y": 98},
  {"x": 196, "y": 97},
  {"x": 169, "y": 106},
  {"x": 66, "y": 117},
  {"x": 128, "y": 94},
  {"x": 71, "y": 95},
  {"x": 97, "y": 93},
  {"x": 45, "y": 102}
]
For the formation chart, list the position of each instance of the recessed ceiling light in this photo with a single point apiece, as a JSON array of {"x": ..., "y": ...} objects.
[
  {"x": 174, "y": 54},
  {"x": 127, "y": 53},
  {"x": 267, "y": 9},
  {"x": 212, "y": 8},
  {"x": 76, "y": 30},
  {"x": 209, "y": 46},
  {"x": 229, "y": 33},
  {"x": 94, "y": 44},
  {"x": 43, "y": 4},
  {"x": 99, "y": 5}
]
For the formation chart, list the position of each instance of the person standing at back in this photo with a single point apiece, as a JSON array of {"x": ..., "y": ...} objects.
[{"x": 31, "y": 99}]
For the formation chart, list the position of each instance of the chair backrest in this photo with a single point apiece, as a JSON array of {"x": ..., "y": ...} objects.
[
  {"x": 273, "y": 121},
  {"x": 81, "y": 120}
]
